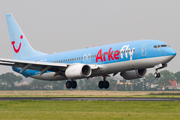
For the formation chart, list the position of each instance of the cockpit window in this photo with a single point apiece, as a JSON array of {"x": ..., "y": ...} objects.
[
  {"x": 159, "y": 46},
  {"x": 164, "y": 46}
]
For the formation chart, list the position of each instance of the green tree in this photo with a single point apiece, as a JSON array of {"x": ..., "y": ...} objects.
[
  {"x": 177, "y": 75},
  {"x": 91, "y": 84},
  {"x": 128, "y": 87},
  {"x": 23, "y": 87},
  {"x": 135, "y": 84},
  {"x": 9, "y": 79},
  {"x": 120, "y": 87},
  {"x": 112, "y": 83},
  {"x": 140, "y": 86},
  {"x": 2, "y": 87},
  {"x": 58, "y": 85},
  {"x": 81, "y": 84},
  {"x": 165, "y": 77},
  {"x": 149, "y": 79},
  {"x": 40, "y": 85}
]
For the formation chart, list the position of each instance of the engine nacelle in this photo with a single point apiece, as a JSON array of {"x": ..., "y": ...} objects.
[
  {"x": 78, "y": 71},
  {"x": 133, "y": 74}
]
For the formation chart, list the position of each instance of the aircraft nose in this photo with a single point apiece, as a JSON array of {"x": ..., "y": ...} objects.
[
  {"x": 170, "y": 53},
  {"x": 173, "y": 52}
]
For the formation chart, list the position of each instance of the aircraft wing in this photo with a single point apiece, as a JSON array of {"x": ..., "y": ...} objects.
[{"x": 40, "y": 66}]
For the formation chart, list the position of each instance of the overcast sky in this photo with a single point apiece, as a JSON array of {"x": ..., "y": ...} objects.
[{"x": 62, "y": 25}]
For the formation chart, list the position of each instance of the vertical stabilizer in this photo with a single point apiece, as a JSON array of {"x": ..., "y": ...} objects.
[{"x": 20, "y": 46}]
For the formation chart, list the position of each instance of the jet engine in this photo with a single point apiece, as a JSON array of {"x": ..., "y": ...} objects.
[
  {"x": 133, "y": 74},
  {"x": 78, "y": 71}
]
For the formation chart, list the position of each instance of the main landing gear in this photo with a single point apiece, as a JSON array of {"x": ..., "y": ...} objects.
[
  {"x": 71, "y": 84},
  {"x": 103, "y": 84}
]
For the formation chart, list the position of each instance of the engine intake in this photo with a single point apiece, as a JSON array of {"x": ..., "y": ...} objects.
[
  {"x": 78, "y": 71},
  {"x": 133, "y": 74}
]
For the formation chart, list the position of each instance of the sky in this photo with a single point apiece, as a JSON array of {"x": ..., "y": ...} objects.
[{"x": 63, "y": 25}]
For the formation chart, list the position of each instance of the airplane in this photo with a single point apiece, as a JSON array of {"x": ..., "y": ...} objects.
[{"x": 130, "y": 59}]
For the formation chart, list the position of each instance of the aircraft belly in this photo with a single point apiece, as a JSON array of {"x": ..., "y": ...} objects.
[{"x": 136, "y": 64}]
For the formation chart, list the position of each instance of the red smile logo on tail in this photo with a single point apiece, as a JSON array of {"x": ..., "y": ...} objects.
[{"x": 13, "y": 42}]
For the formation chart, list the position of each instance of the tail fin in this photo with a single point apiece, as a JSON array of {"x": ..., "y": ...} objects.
[{"x": 20, "y": 46}]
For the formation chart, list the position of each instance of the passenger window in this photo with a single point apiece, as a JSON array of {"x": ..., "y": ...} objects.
[{"x": 155, "y": 46}]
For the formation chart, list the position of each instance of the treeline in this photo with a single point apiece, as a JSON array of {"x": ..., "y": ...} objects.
[{"x": 8, "y": 81}]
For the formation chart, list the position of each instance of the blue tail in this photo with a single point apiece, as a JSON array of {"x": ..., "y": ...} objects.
[{"x": 20, "y": 46}]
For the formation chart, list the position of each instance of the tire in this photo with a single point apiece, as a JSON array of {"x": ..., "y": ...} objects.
[
  {"x": 155, "y": 75},
  {"x": 101, "y": 84},
  {"x": 74, "y": 84},
  {"x": 158, "y": 75},
  {"x": 106, "y": 84},
  {"x": 68, "y": 84}
]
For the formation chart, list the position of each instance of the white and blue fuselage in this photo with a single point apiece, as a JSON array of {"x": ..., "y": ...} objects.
[
  {"x": 131, "y": 59},
  {"x": 113, "y": 58}
]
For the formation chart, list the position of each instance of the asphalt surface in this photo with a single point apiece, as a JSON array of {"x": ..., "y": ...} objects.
[{"x": 87, "y": 99}]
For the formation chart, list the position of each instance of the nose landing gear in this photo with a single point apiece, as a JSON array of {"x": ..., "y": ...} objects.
[
  {"x": 157, "y": 67},
  {"x": 157, "y": 75}
]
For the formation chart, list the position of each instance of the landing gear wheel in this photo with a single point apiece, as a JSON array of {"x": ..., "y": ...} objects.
[
  {"x": 68, "y": 84},
  {"x": 101, "y": 84},
  {"x": 157, "y": 75},
  {"x": 74, "y": 84},
  {"x": 106, "y": 84}
]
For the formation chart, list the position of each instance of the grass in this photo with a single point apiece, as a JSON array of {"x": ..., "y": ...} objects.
[
  {"x": 165, "y": 93},
  {"x": 89, "y": 110},
  {"x": 78, "y": 93}
]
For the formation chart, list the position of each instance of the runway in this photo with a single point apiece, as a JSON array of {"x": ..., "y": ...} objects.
[{"x": 87, "y": 99}]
